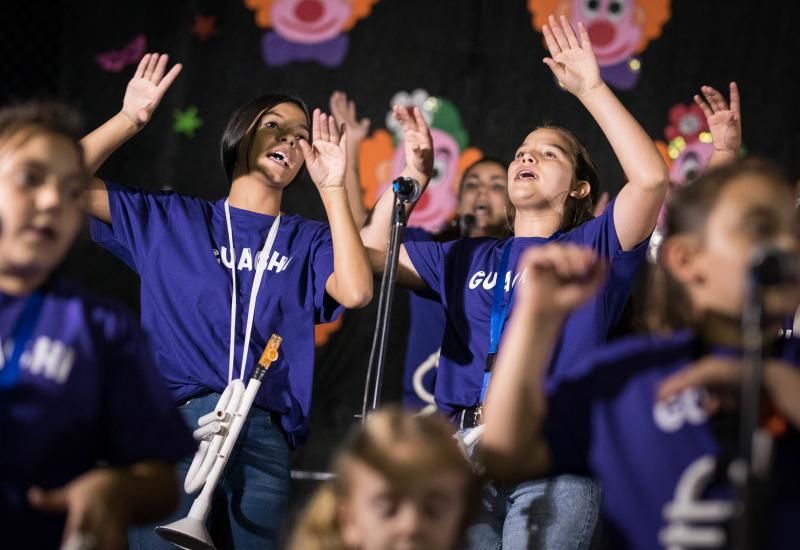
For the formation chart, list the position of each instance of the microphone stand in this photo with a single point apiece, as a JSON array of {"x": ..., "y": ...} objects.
[
  {"x": 751, "y": 470},
  {"x": 406, "y": 190}
]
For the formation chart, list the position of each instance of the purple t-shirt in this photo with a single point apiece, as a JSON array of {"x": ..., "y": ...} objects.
[
  {"x": 87, "y": 392},
  {"x": 462, "y": 274},
  {"x": 651, "y": 459},
  {"x": 179, "y": 247},
  {"x": 425, "y": 330}
]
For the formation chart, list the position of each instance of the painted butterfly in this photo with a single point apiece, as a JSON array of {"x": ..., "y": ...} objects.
[{"x": 114, "y": 61}]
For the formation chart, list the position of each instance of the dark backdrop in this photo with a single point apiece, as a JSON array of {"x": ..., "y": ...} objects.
[{"x": 481, "y": 54}]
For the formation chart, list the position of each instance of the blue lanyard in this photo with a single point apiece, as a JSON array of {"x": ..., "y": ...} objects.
[
  {"x": 20, "y": 336},
  {"x": 499, "y": 314}
]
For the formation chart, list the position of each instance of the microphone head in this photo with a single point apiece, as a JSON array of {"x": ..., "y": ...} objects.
[
  {"x": 407, "y": 189},
  {"x": 772, "y": 266},
  {"x": 467, "y": 223}
]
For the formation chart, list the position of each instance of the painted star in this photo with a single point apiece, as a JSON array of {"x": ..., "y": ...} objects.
[
  {"x": 204, "y": 26},
  {"x": 186, "y": 122}
]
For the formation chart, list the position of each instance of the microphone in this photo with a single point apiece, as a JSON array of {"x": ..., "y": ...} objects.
[
  {"x": 771, "y": 266},
  {"x": 467, "y": 224},
  {"x": 407, "y": 189}
]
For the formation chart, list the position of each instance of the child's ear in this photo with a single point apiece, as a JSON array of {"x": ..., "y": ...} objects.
[
  {"x": 680, "y": 257},
  {"x": 581, "y": 190}
]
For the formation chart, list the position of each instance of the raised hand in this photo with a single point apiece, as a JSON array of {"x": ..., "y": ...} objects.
[
  {"x": 724, "y": 122},
  {"x": 147, "y": 87},
  {"x": 558, "y": 278},
  {"x": 572, "y": 62},
  {"x": 326, "y": 157},
  {"x": 417, "y": 142},
  {"x": 344, "y": 111}
]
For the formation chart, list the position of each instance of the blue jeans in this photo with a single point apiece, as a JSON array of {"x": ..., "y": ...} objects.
[
  {"x": 558, "y": 513},
  {"x": 252, "y": 496}
]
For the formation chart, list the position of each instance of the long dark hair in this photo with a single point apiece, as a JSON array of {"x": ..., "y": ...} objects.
[
  {"x": 241, "y": 127},
  {"x": 688, "y": 207},
  {"x": 577, "y": 210}
]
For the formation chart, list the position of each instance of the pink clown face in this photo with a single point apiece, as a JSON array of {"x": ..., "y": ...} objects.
[
  {"x": 612, "y": 27},
  {"x": 438, "y": 203},
  {"x": 691, "y": 162},
  {"x": 309, "y": 21}
]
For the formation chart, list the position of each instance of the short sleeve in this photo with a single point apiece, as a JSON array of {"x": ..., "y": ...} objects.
[
  {"x": 601, "y": 235},
  {"x": 139, "y": 220},
  {"x": 326, "y": 308},
  {"x": 428, "y": 259},
  {"x": 140, "y": 421}
]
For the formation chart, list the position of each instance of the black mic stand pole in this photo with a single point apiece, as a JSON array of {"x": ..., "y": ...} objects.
[
  {"x": 377, "y": 356},
  {"x": 751, "y": 470}
]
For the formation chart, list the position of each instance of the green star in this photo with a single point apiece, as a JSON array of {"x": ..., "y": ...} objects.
[{"x": 186, "y": 122}]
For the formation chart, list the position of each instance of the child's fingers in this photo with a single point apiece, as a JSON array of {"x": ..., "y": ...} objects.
[
  {"x": 151, "y": 66},
  {"x": 305, "y": 148},
  {"x": 170, "y": 77},
  {"x": 324, "y": 130},
  {"x": 715, "y": 99},
  {"x": 142, "y": 66},
  {"x": 550, "y": 40},
  {"x": 586, "y": 42},
  {"x": 54, "y": 500},
  {"x": 558, "y": 33},
  {"x": 161, "y": 67},
  {"x": 315, "y": 123},
  {"x": 422, "y": 125},
  {"x": 572, "y": 40},
  {"x": 704, "y": 106},
  {"x": 734, "y": 95},
  {"x": 333, "y": 130}
]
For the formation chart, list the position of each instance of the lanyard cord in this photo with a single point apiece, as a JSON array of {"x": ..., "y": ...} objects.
[{"x": 261, "y": 263}]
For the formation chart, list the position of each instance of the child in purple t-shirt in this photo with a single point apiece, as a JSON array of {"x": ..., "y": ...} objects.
[
  {"x": 551, "y": 182},
  {"x": 219, "y": 277},
  {"x": 77, "y": 384},
  {"x": 655, "y": 417}
]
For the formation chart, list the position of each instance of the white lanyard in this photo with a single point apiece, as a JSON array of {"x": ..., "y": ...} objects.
[{"x": 261, "y": 263}]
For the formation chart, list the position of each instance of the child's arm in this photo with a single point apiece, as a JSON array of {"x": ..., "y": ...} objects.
[
  {"x": 103, "y": 502},
  {"x": 725, "y": 123},
  {"x": 639, "y": 202},
  {"x": 418, "y": 146},
  {"x": 557, "y": 279},
  {"x": 142, "y": 96},
  {"x": 345, "y": 113},
  {"x": 781, "y": 380},
  {"x": 350, "y": 284}
]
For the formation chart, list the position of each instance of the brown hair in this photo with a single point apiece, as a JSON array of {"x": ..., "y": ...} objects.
[
  {"x": 577, "y": 210},
  {"x": 687, "y": 209},
  {"x": 375, "y": 445},
  {"x": 27, "y": 119}
]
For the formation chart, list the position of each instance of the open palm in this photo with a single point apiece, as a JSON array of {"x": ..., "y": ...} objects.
[
  {"x": 417, "y": 140},
  {"x": 326, "y": 157},
  {"x": 573, "y": 63},
  {"x": 147, "y": 87},
  {"x": 724, "y": 122}
]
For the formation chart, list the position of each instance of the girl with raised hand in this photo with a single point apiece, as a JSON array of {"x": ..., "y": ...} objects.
[
  {"x": 77, "y": 381},
  {"x": 655, "y": 417},
  {"x": 401, "y": 481},
  {"x": 551, "y": 182},
  {"x": 219, "y": 277}
]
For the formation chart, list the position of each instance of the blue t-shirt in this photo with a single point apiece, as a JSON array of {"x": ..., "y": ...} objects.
[
  {"x": 462, "y": 274},
  {"x": 425, "y": 330},
  {"x": 603, "y": 421},
  {"x": 179, "y": 247},
  {"x": 87, "y": 391}
]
